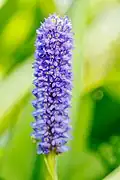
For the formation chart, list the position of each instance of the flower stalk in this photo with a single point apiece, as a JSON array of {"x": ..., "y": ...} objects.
[{"x": 50, "y": 161}]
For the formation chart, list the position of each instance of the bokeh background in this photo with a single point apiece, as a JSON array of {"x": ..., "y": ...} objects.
[{"x": 95, "y": 113}]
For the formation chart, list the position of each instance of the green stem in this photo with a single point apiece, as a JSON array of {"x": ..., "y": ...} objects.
[{"x": 50, "y": 161}]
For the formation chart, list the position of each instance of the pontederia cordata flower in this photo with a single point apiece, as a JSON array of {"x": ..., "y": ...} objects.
[{"x": 53, "y": 84}]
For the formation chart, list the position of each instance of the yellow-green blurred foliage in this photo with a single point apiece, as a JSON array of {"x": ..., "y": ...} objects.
[{"x": 95, "y": 113}]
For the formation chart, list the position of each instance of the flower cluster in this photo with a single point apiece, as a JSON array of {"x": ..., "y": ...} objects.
[{"x": 53, "y": 84}]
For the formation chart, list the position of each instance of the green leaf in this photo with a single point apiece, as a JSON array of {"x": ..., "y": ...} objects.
[
  {"x": 115, "y": 175},
  {"x": 20, "y": 154},
  {"x": 13, "y": 89},
  {"x": 38, "y": 171},
  {"x": 99, "y": 53},
  {"x": 25, "y": 20},
  {"x": 48, "y": 7},
  {"x": 106, "y": 116},
  {"x": 6, "y": 12}
]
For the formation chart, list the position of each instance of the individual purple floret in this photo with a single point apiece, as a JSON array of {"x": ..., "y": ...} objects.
[{"x": 53, "y": 84}]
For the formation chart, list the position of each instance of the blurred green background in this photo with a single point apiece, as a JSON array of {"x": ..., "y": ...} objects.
[{"x": 95, "y": 113}]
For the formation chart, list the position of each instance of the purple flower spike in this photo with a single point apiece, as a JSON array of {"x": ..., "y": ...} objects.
[{"x": 53, "y": 84}]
